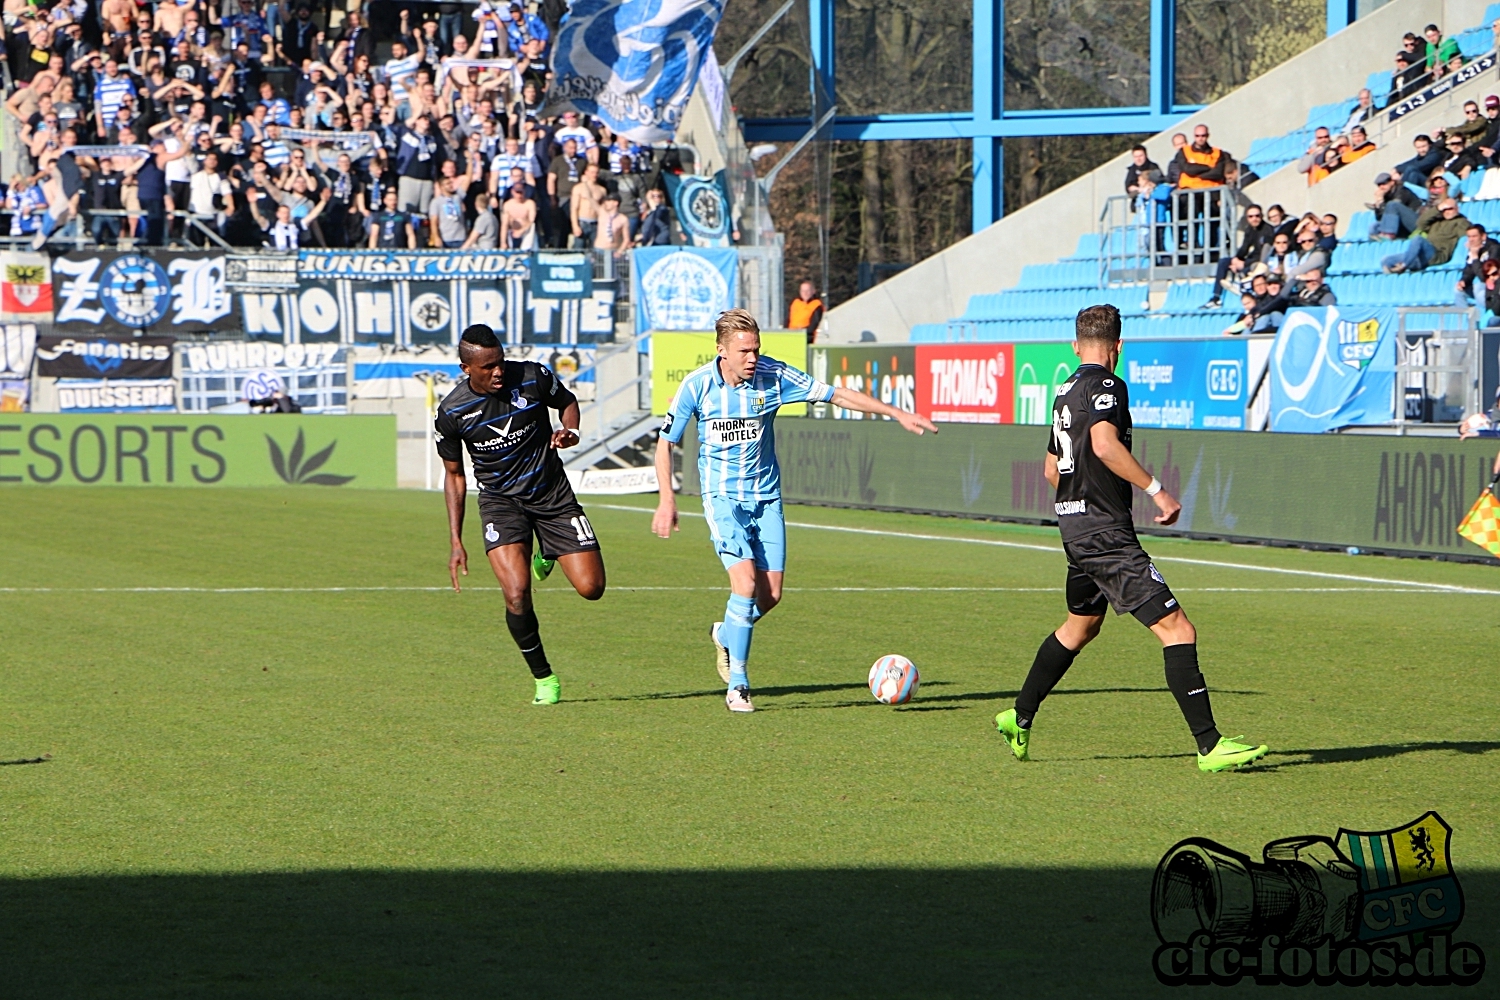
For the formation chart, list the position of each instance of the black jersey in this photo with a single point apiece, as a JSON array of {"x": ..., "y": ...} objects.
[
  {"x": 508, "y": 432},
  {"x": 1090, "y": 498}
]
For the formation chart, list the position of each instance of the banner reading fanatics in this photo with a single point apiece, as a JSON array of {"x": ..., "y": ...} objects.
[{"x": 100, "y": 357}]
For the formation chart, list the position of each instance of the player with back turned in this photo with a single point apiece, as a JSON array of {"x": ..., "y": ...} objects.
[
  {"x": 1090, "y": 465},
  {"x": 499, "y": 412}
]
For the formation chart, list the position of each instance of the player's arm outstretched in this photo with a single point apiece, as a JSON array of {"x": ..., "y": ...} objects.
[
  {"x": 850, "y": 400},
  {"x": 455, "y": 489},
  {"x": 1105, "y": 439}
]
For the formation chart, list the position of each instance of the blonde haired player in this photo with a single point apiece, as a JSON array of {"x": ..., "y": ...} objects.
[{"x": 735, "y": 398}]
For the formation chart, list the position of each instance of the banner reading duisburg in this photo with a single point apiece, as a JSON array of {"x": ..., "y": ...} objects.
[{"x": 632, "y": 63}]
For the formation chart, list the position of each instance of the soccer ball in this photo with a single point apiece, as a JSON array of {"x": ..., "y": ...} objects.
[{"x": 894, "y": 680}]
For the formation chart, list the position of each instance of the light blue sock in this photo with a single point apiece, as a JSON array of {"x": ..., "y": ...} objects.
[{"x": 735, "y": 633}]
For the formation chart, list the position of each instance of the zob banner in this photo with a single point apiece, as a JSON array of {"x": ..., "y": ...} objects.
[
  {"x": 130, "y": 293},
  {"x": 173, "y": 449}
]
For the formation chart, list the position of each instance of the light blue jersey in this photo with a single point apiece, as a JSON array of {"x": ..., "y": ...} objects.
[{"x": 736, "y": 439}]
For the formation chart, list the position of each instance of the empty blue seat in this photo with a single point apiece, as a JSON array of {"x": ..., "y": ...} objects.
[{"x": 1491, "y": 15}]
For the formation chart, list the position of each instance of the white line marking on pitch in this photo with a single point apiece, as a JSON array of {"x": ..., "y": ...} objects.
[
  {"x": 715, "y": 589},
  {"x": 1444, "y": 587}
]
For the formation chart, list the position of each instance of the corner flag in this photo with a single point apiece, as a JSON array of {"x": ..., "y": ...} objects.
[{"x": 1482, "y": 524}]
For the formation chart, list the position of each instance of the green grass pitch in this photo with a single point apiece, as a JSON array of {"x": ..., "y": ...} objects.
[{"x": 303, "y": 792}]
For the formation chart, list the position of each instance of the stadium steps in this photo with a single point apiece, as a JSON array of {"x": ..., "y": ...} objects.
[
  {"x": 938, "y": 288},
  {"x": 621, "y": 434}
]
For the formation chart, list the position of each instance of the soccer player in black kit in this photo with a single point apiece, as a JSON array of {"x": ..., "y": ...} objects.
[
  {"x": 500, "y": 414},
  {"x": 1090, "y": 465}
]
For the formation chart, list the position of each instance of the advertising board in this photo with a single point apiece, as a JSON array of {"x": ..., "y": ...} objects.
[
  {"x": 888, "y": 373},
  {"x": 173, "y": 449},
  {"x": 676, "y": 354},
  {"x": 1188, "y": 384},
  {"x": 1380, "y": 494}
]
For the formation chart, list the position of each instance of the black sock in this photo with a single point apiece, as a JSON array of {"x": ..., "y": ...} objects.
[
  {"x": 527, "y": 633},
  {"x": 1191, "y": 692},
  {"x": 1052, "y": 661}
]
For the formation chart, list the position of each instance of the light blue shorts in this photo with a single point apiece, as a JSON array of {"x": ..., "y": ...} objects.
[{"x": 747, "y": 529}]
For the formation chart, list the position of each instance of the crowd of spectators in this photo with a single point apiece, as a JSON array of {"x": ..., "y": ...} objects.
[
  {"x": 1279, "y": 262},
  {"x": 271, "y": 123}
]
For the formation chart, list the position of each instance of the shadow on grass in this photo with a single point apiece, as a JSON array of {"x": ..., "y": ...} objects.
[
  {"x": 820, "y": 933},
  {"x": 454, "y": 934},
  {"x": 28, "y": 760},
  {"x": 972, "y": 696},
  {"x": 1277, "y": 759}
]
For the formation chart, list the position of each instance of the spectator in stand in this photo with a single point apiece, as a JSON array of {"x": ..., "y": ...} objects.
[
  {"x": 1333, "y": 159},
  {"x": 391, "y": 228},
  {"x": 1419, "y": 168},
  {"x": 562, "y": 176},
  {"x": 1395, "y": 207},
  {"x": 1364, "y": 110},
  {"x": 1279, "y": 256},
  {"x": 1407, "y": 78},
  {"x": 1472, "y": 127},
  {"x": 1478, "y": 250},
  {"x": 1360, "y": 145},
  {"x": 1309, "y": 256},
  {"x": 1491, "y": 292},
  {"x": 1174, "y": 165},
  {"x": 806, "y": 311},
  {"x": 518, "y": 216},
  {"x": 613, "y": 233},
  {"x": 1313, "y": 293},
  {"x": 1460, "y": 159},
  {"x": 1200, "y": 164},
  {"x": 1328, "y": 240},
  {"x": 1313, "y": 159},
  {"x": 1277, "y": 218},
  {"x": 1440, "y": 51},
  {"x": 1255, "y": 237},
  {"x": 1438, "y": 231},
  {"x": 1140, "y": 163},
  {"x": 656, "y": 224}
]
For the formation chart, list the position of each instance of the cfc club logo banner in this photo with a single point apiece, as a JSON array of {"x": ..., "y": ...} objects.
[{"x": 1378, "y": 909}]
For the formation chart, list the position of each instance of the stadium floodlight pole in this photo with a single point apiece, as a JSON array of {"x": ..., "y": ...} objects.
[
  {"x": 727, "y": 72},
  {"x": 811, "y": 134}
]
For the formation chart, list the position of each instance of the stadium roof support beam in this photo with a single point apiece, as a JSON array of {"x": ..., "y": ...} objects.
[{"x": 988, "y": 122}]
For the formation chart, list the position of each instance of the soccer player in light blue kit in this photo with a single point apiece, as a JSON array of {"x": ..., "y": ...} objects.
[{"x": 735, "y": 397}]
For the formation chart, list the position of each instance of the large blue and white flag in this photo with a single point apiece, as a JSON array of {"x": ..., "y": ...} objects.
[{"x": 632, "y": 63}]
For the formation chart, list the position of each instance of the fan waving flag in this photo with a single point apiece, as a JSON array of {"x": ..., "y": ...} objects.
[
  {"x": 1482, "y": 524},
  {"x": 632, "y": 63}
]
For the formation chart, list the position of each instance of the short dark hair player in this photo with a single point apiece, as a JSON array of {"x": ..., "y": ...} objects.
[
  {"x": 499, "y": 412},
  {"x": 1090, "y": 465}
]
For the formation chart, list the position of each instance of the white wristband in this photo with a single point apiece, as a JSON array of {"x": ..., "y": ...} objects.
[{"x": 1153, "y": 487}]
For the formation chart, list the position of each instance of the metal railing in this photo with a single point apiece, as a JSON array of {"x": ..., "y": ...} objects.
[
  {"x": 1438, "y": 366},
  {"x": 1182, "y": 237}
]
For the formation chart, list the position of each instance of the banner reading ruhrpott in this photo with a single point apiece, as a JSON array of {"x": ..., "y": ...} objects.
[
  {"x": 1381, "y": 494},
  {"x": 173, "y": 449}
]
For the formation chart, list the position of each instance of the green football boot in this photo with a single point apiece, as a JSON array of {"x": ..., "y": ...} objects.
[
  {"x": 548, "y": 690},
  {"x": 1230, "y": 753},
  {"x": 541, "y": 567},
  {"x": 1015, "y": 737}
]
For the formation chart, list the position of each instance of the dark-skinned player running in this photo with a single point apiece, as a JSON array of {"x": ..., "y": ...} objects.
[
  {"x": 499, "y": 412},
  {"x": 1090, "y": 465}
]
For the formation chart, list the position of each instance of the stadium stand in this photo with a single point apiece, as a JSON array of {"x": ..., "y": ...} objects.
[
  {"x": 1041, "y": 304},
  {"x": 1041, "y": 286},
  {"x": 247, "y": 108}
]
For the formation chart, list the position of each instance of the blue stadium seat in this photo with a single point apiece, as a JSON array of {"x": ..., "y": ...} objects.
[
  {"x": 1379, "y": 85},
  {"x": 1088, "y": 247},
  {"x": 1476, "y": 42},
  {"x": 929, "y": 333},
  {"x": 1491, "y": 15}
]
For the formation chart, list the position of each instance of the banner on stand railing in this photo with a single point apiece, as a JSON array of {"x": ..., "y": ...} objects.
[
  {"x": 392, "y": 297},
  {"x": 1333, "y": 367},
  {"x": 104, "y": 357},
  {"x": 1457, "y": 78},
  {"x": 683, "y": 288}
]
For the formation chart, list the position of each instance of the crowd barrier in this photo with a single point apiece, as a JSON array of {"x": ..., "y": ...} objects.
[
  {"x": 174, "y": 449},
  {"x": 1375, "y": 493}
]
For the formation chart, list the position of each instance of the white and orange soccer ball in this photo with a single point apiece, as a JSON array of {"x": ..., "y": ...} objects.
[{"x": 894, "y": 680}]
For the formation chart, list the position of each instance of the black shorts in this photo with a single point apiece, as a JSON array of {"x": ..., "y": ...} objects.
[
  {"x": 1111, "y": 568},
  {"x": 556, "y": 518}
]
